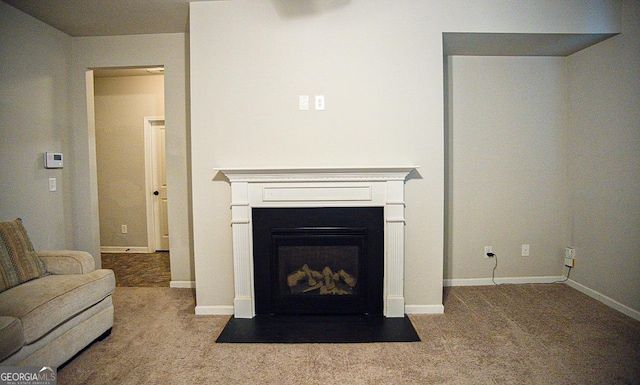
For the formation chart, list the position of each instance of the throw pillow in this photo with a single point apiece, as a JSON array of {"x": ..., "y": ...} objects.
[{"x": 18, "y": 260}]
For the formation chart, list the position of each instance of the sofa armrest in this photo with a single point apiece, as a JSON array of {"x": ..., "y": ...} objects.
[{"x": 67, "y": 261}]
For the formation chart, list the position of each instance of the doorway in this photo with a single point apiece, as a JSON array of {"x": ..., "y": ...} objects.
[{"x": 130, "y": 158}]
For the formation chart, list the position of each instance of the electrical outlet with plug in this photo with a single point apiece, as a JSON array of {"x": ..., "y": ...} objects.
[{"x": 570, "y": 257}]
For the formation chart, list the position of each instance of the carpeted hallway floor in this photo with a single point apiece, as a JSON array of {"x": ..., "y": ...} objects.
[{"x": 518, "y": 334}]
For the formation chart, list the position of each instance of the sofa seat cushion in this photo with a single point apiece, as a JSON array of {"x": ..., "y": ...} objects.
[
  {"x": 44, "y": 303},
  {"x": 11, "y": 336}
]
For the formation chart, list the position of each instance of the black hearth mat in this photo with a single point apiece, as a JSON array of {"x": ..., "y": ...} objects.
[{"x": 318, "y": 329}]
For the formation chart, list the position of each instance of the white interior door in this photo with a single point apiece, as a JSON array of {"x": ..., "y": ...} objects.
[
  {"x": 157, "y": 203},
  {"x": 160, "y": 182}
]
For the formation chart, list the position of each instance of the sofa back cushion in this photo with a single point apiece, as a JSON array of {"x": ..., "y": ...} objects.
[{"x": 18, "y": 260}]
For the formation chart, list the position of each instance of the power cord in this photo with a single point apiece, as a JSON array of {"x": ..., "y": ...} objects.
[
  {"x": 565, "y": 278},
  {"x": 493, "y": 273}
]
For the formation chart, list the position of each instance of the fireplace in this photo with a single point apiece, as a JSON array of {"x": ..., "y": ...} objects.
[
  {"x": 318, "y": 260},
  {"x": 379, "y": 188}
]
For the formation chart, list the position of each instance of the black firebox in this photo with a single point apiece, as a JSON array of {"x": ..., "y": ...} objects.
[{"x": 327, "y": 260}]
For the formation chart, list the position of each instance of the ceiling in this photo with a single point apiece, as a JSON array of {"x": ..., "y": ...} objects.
[
  {"x": 135, "y": 17},
  {"x": 124, "y": 71},
  {"x": 109, "y": 18},
  {"x": 518, "y": 44}
]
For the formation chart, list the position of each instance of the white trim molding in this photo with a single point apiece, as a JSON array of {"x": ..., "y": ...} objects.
[
  {"x": 318, "y": 187},
  {"x": 624, "y": 309},
  {"x": 182, "y": 284},
  {"x": 124, "y": 249},
  {"x": 214, "y": 310},
  {"x": 424, "y": 309},
  {"x": 505, "y": 280}
]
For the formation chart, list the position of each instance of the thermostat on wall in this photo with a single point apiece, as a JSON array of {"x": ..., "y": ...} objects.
[{"x": 52, "y": 160}]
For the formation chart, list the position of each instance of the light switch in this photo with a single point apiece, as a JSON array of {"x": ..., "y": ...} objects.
[
  {"x": 52, "y": 184},
  {"x": 319, "y": 102},
  {"x": 303, "y": 102}
]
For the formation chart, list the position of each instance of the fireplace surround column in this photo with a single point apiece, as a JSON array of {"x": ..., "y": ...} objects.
[{"x": 321, "y": 187}]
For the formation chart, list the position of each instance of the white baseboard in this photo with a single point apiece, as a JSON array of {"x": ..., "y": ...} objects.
[
  {"x": 124, "y": 249},
  {"x": 394, "y": 306},
  {"x": 409, "y": 309},
  {"x": 635, "y": 314},
  {"x": 624, "y": 309},
  {"x": 424, "y": 309},
  {"x": 488, "y": 281},
  {"x": 214, "y": 310},
  {"x": 182, "y": 284}
]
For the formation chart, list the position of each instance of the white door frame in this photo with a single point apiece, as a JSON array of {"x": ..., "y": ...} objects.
[{"x": 149, "y": 123}]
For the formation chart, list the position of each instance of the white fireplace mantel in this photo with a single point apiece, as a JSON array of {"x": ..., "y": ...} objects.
[{"x": 318, "y": 187}]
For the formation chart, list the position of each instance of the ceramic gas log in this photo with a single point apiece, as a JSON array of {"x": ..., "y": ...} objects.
[{"x": 325, "y": 282}]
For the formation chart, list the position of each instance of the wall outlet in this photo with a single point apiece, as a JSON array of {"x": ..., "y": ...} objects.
[
  {"x": 570, "y": 257},
  {"x": 525, "y": 250},
  {"x": 123, "y": 229},
  {"x": 319, "y": 102},
  {"x": 487, "y": 250}
]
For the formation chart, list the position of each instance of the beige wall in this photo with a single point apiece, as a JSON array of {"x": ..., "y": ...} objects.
[
  {"x": 380, "y": 66},
  {"x": 34, "y": 119},
  {"x": 121, "y": 104},
  {"x": 507, "y": 166},
  {"x": 44, "y": 108},
  {"x": 604, "y": 100},
  {"x": 382, "y": 110}
]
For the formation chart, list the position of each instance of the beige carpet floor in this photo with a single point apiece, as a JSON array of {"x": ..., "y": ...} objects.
[{"x": 520, "y": 334}]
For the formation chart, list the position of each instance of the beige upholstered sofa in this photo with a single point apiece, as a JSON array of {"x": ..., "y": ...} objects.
[{"x": 46, "y": 320}]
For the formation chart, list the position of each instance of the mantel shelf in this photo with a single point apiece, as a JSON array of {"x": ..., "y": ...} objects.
[{"x": 343, "y": 174}]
